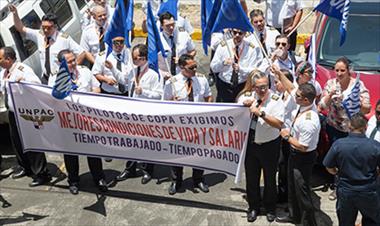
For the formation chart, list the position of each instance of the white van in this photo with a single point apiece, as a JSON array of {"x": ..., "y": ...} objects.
[{"x": 68, "y": 12}]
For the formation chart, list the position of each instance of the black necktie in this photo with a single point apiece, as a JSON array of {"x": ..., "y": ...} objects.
[
  {"x": 173, "y": 65},
  {"x": 262, "y": 40},
  {"x": 252, "y": 131},
  {"x": 118, "y": 66},
  {"x": 134, "y": 83},
  {"x": 235, "y": 73},
  {"x": 190, "y": 94},
  {"x": 45, "y": 78},
  {"x": 101, "y": 39}
]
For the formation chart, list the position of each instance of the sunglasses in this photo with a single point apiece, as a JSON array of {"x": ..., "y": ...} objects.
[
  {"x": 192, "y": 68},
  {"x": 281, "y": 43},
  {"x": 298, "y": 95},
  {"x": 238, "y": 33},
  {"x": 377, "y": 112},
  {"x": 138, "y": 58},
  {"x": 118, "y": 42},
  {"x": 263, "y": 87}
]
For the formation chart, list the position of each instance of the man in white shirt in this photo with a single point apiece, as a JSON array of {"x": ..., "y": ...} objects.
[
  {"x": 49, "y": 41},
  {"x": 176, "y": 43},
  {"x": 145, "y": 83},
  {"x": 302, "y": 136},
  {"x": 108, "y": 69},
  {"x": 91, "y": 42},
  {"x": 284, "y": 15},
  {"x": 186, "y": 86},
  {"x": 234, "y": 59},
  {"x": 263, "y": 149},
  {"x": 87, "y": 17},
  {"x": 32, "y": 163},
  {"x": 373, "y": 128}
]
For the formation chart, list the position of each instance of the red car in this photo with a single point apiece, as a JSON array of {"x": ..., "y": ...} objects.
[
  {"x": 362, "y": 48},
  {"x": 362, "y": 45}
]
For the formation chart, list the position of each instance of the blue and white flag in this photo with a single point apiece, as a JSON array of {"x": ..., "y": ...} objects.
[
  {"x": 312, "y": 54},
  {"x": 154, "y": 40},
  {"x": 170, "y": 6},
  {"x": 206, "y": 8},
  {"x": 352, "y": 102},
  {"x": 121, "y": 23},
  {"x": 63, "y": 83},
  {"x": 338, "y": 9},
  {"x": 211, "y": 18}
]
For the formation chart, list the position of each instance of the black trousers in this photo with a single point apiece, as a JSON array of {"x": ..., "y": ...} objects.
[
  {"x": 34, "y": 163},
  {"x": 300, "y": 169},
  {"x": 227, "y": 93},
  {"x": 283, "y": 170},
  {"x": 262, "y": 157},
  {"x": 72, "y": 167},
  {"x": 177, "y": 174}
]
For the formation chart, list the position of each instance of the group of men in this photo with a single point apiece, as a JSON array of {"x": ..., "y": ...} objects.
[{"x": 258, "y": 70}]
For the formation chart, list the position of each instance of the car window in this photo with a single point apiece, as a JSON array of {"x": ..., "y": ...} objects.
[
  {"x": 362, "y": 45},
  {"x": 26, "y": 47},
  {"x": 81, "y": 3},
  {"x": 60, "y": 8}
]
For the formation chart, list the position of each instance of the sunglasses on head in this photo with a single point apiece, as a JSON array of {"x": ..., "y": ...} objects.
[{"x": 281, "y": 43}]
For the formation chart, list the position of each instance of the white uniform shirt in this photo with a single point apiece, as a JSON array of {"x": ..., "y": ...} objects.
[
  {"x": 85, "y": 21},
  {"x": 17, "y": 71},
  {"x": 290, "y": 106},
  {"x": 371, "y": 126},
  {"x": 250, "y": 58},
  {"x": 306, "y": 127},
  {"x": 59, "y": 42},
  {"x": 100, "y": 68},
  {"x": 177, "y": 88},
  {"x": 278, "y": 10},
  {"x": 90, "y": 38},
  {"x": 86, "y": 80},
  {"x": 149, "y": 81},
  {"x": 270, "y": 35},
  {"x": 274, "y": 107},
  {"x": 183, "y": 42}
]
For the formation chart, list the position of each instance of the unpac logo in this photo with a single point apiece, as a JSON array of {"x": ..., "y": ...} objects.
[{"x": 37, "y": 116}]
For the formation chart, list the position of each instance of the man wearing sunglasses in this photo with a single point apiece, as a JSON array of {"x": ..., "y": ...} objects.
[
  {"x": 282, "y": 57},
  {"x": 302, "y": 135},
  {"x": 192, "y": 88},
  {"x": 49, "y": 41},
  {"x": 143, "y": 82},
  {"x": 117, "y": 64},
  {"x": 234, "y": 59}
]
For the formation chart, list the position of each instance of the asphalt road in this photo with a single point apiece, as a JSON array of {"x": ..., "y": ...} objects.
[{"x": 129, "y": 202}]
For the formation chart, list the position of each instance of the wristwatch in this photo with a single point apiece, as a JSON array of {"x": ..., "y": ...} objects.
[
  {"x": 262, "y": 114},
  {"x": 286, "y": 138}
]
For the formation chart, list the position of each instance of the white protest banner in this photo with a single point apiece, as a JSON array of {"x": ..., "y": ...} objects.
[{"x": 202, "y": 135}]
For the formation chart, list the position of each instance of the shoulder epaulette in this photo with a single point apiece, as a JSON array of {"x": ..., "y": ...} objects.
[
  {"x": 200, "y": 75},
  {"x": 275, "y": 97},
  {"x": 252, "y": 45},
  {"x": 101, "y": 53},
  {"x": 173, "y": 79},
  {"x": 248, "y": 94},
  {"x": 272, "y": 28},
  {"x": 223, "y": 43},
  {"x": 64, "y": 35},
  {"x": 21, "y": 68},
  {"x": 181, "y": 29},
  {"x": 247, "y": 34},
  {"x": 308, "y": 115}
]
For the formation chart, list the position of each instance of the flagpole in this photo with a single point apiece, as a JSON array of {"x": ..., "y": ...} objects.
[
  {"x": 172, "y": 83},
  {"x": 262, "y": 48},
  {"x": 301, "y": 22}
]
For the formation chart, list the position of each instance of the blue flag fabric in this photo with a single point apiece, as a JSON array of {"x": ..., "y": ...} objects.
[
  {"x": 154, "y": 40},
  {"x": 231, "y": 15},
  {"x": 352, "y": 102},
  {"x": 206, "y": 8},
  {"x": 338, "y": 9},
  {"x": 121, "y": 23},
  {"x": 170, "y": 6},
  {"x": 211, "y": 18},
  {"x": 63, "y": 83}
]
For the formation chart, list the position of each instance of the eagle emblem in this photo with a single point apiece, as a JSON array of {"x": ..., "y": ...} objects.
[{"x": 37, "y": 120}]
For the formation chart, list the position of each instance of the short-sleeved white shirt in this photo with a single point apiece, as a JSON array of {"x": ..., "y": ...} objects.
[
  {"x": 60, "y": 41},
  {"x": 306, "y": 127},
  {"x": 177, "y": 87}
]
